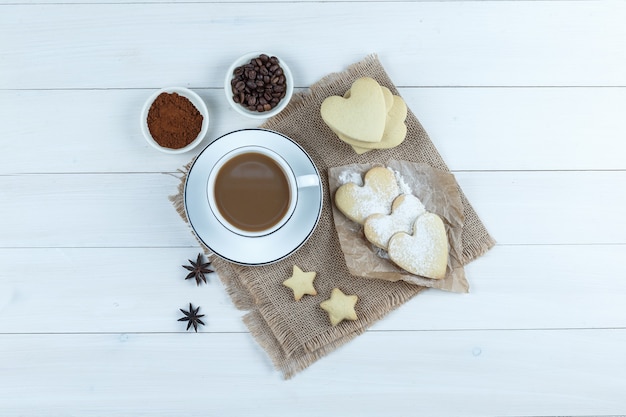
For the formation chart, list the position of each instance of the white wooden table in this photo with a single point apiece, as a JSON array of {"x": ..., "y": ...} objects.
[{"x": 526, "y": 103}]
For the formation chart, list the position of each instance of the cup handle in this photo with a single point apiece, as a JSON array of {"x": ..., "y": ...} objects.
[{"x": 307, "y": 181}]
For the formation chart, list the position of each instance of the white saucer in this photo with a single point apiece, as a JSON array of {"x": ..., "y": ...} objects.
[{"x": 252, "y": 250}]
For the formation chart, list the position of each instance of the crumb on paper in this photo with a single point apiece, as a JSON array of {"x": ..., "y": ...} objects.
[
  {"x": 405, "y": 188},
  {"x": 349, "y": 176}
]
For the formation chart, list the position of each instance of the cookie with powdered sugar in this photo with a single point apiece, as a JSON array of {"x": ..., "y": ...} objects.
[
  {"x": 358, "y": 202},
  {"x": 424, "y": 252},
  {"x": 379, "y": 228}
]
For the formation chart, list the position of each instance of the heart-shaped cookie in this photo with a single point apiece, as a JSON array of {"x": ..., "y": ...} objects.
[
  {"x": 425, "y": 252},
  {"x": 387, "y": 95},
  {"x": 379, "y": 228},
  {"x": 379, "y": 190},
  {"x": 362, "y": 116},
  {"x": 394, "y": 133}
]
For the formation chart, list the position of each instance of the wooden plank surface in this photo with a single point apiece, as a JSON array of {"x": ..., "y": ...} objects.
[
  {"x": 521, "y": 43},
  {"x": 476, "y": 373},
  {"x": 118, "y": 290},
  {"x": 523, "y": 128},
  {"x": 127, "y": 210},
  {"x": 523, "y": 99}
]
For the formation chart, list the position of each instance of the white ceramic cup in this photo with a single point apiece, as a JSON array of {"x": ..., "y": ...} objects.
[{"x": 294, "y": 184}]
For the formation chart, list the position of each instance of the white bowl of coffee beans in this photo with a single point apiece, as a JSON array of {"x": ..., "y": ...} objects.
[{"x": 258, "y": 85}]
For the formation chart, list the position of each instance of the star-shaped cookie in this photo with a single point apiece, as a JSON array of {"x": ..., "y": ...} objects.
[
  {"x": 340, "y": 306},
  {"x": 301, "y": 283}
]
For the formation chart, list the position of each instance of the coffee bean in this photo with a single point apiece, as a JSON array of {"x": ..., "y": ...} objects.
[{"x": 259, "y": 84}]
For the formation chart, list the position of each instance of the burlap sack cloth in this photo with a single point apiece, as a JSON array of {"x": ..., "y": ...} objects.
[{"x": 296, "y": 334}]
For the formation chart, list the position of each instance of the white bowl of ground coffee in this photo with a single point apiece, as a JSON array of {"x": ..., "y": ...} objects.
[{"x": 174, "y": 120}]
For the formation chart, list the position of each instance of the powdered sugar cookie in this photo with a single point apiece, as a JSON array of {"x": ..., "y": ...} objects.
[
  {"x": 425, "y": 252},
  {"x": 378, "y": 191},
  {"x": 379, "y": 228}
]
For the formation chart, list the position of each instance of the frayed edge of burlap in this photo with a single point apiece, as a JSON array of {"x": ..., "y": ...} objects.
[
  {"x": 290, "y": 364},
  {"x": 241, "y": 297},
  {"x": 289, "y": 359},
  {"x": 290, "y": 354},
  {"x": 475, "y": 250},
  {"x": 287, "y": 352},
  {"x": 263, "y": 309},
  {"x": 370, "y": 316},
  {"x": 241, "y": 289},
  {"x": 248, "y": 296},
  {"x": 178, "y": 199}
]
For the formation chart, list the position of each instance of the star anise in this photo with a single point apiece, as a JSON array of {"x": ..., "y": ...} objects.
[
  {"x": 192, "y": 317},
  {"x": 198, "y": 269}
]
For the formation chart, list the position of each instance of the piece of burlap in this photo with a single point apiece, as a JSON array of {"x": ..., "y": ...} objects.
[{"x": 295, "y": 334}]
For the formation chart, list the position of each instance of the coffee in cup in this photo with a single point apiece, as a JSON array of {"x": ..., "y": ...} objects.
[{"x": 253, "y": 190}]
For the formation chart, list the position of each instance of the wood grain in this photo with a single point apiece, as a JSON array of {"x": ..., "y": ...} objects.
[
  {"x": 516, "y": 43},
  {"x": 523, "y": 128},
  {"x": 523, "y": 99},
  {"x": 508, "y": 373},
  {"x": 87, "y": 290},
  {"x": 130, "y": 210}
]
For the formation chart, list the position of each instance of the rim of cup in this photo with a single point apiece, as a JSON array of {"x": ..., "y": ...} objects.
[
  {"x": 244, "y": 59},
  {"x": 198, "y": 103}
]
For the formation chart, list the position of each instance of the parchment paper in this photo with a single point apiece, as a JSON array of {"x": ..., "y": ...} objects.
[{"x": 439, "y": 193}]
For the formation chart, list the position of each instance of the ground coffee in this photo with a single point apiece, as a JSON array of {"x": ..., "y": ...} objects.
[{"x": 174, "y": 122}]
